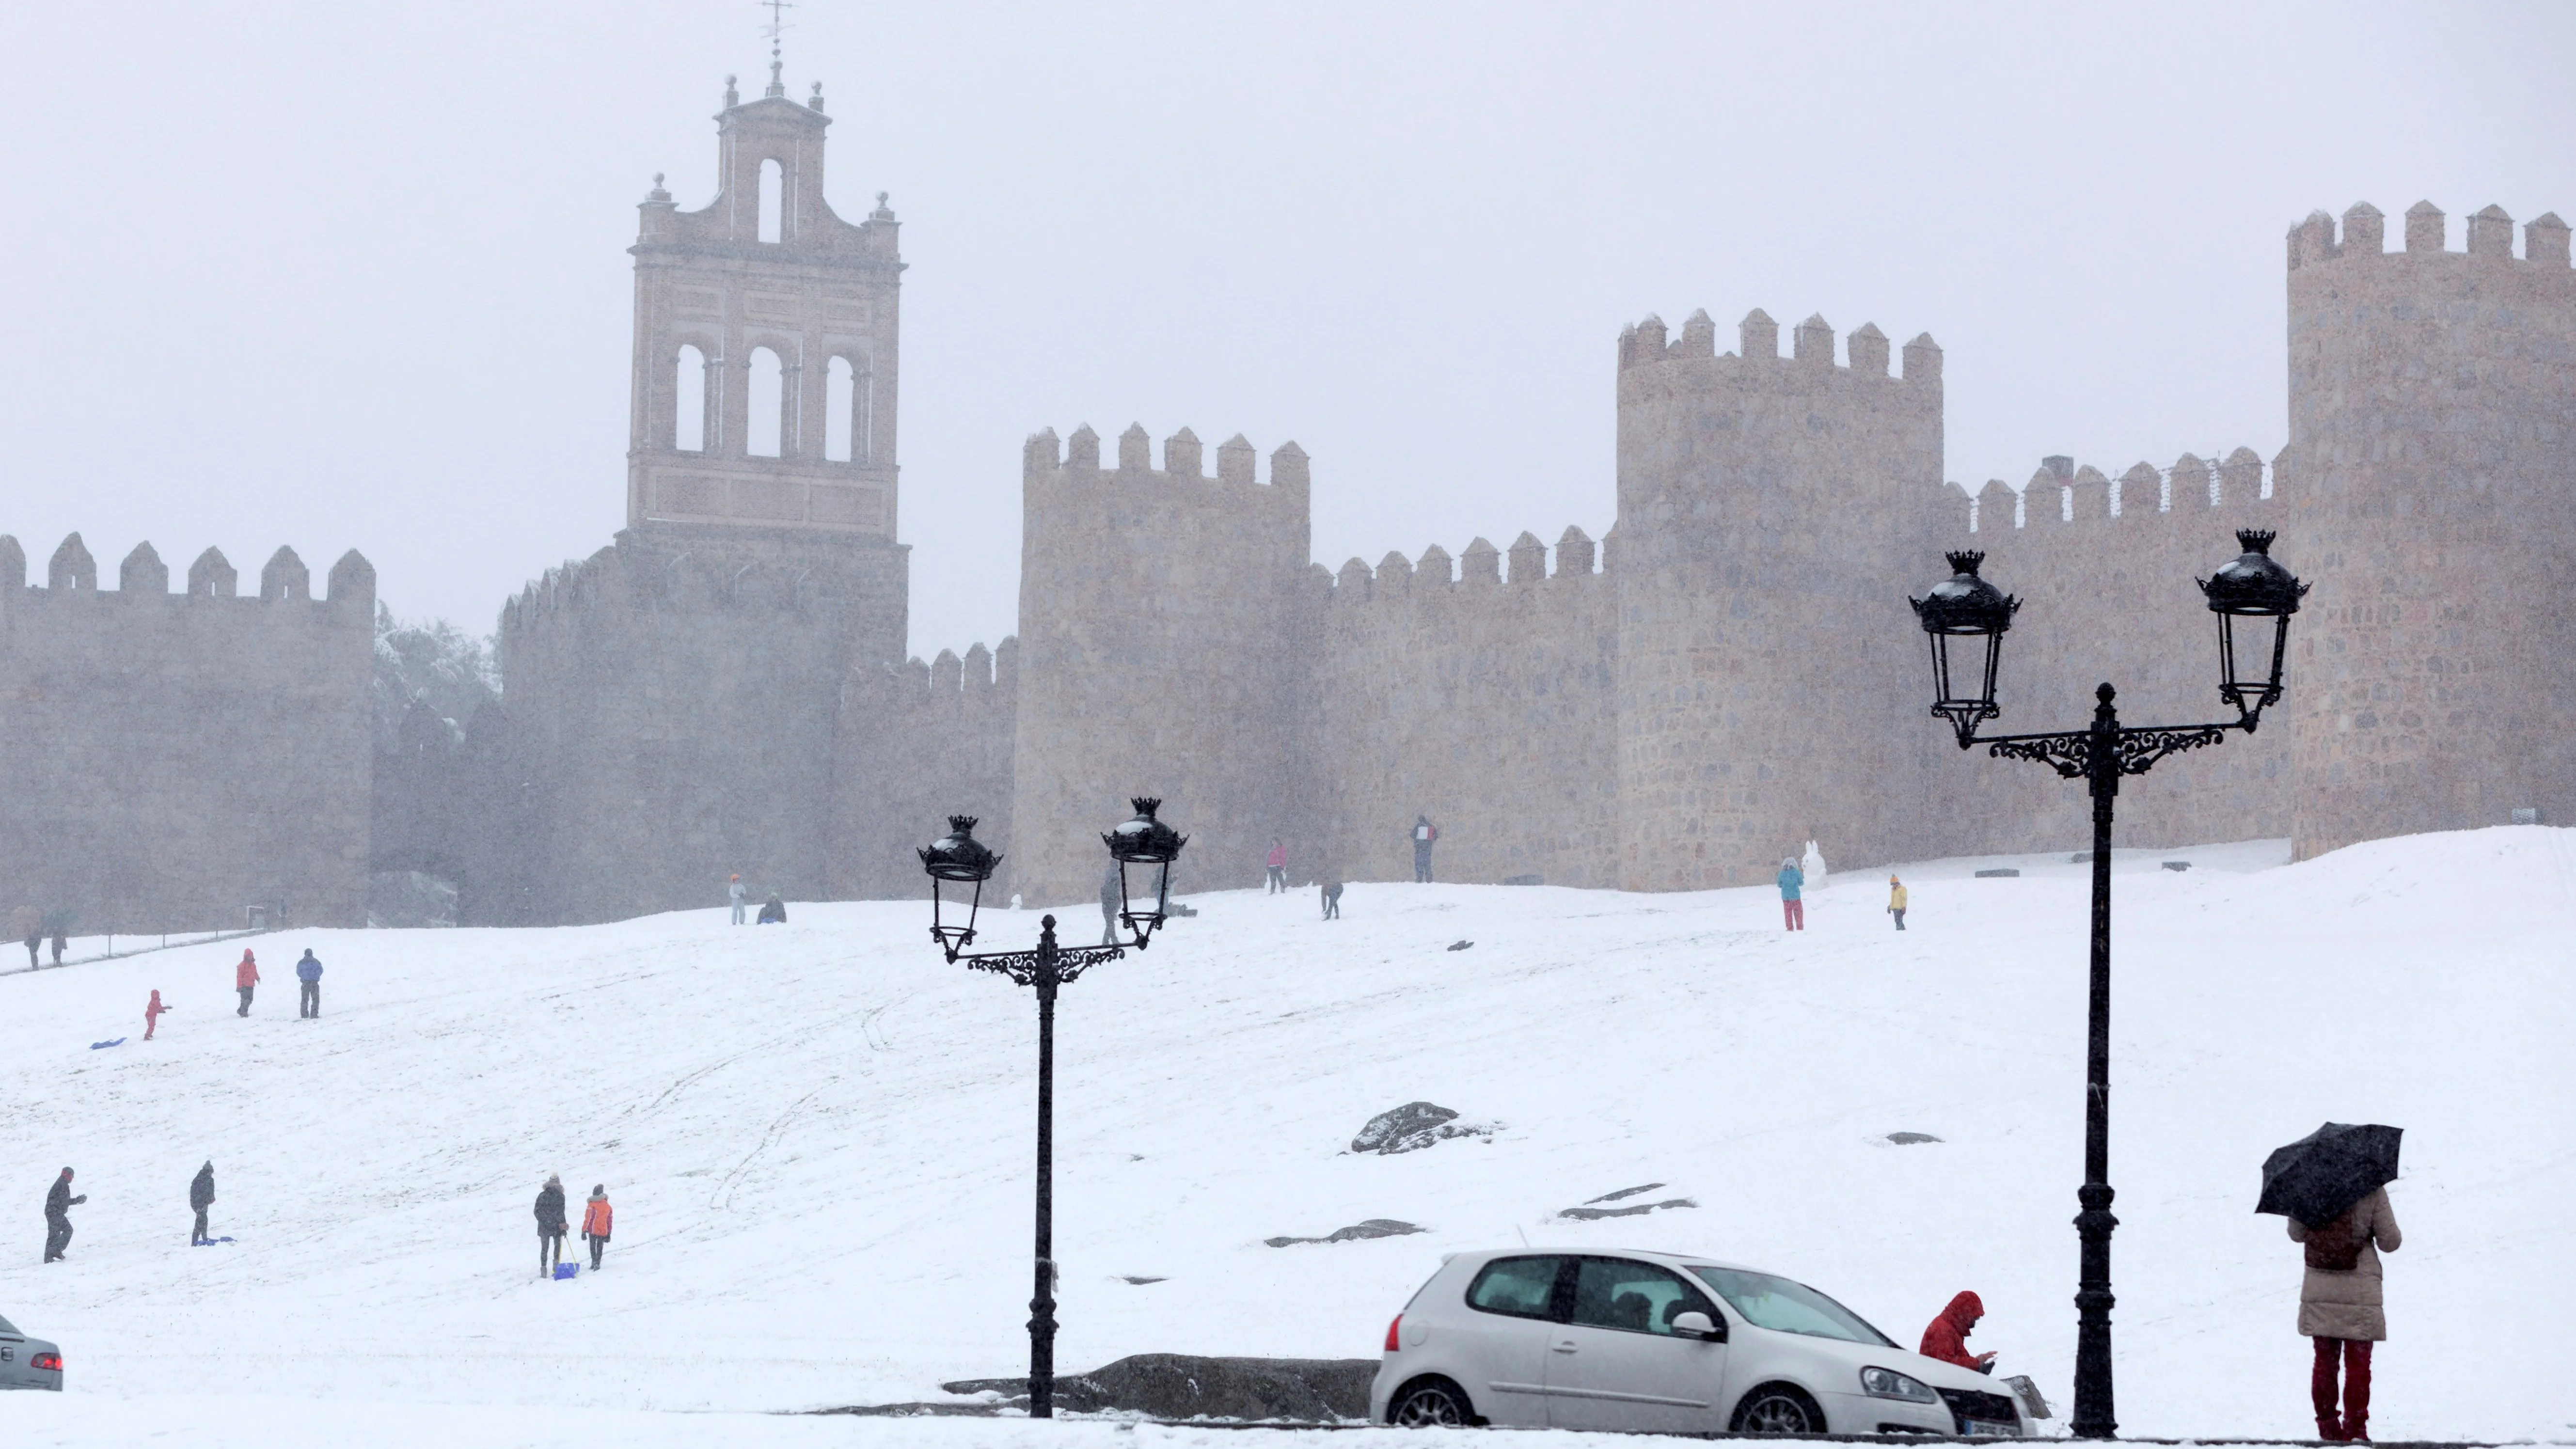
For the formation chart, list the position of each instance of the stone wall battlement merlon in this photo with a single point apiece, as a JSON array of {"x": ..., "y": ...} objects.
[
  {"x": 1482, "y": 566},
  {"x": 71, "y": 574},
  {"x": 982, "y": 677},
  {"x": 2363, "y": 238},
  {"x": 1758, "y": 346},
  {"x": 2062, "y": 492},
  {"x": 1044, "y": 459}
]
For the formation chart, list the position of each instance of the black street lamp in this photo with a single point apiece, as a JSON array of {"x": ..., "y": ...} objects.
[
  {"x": 958, "y": 859},
  {"x": 1965, "y": 610}
]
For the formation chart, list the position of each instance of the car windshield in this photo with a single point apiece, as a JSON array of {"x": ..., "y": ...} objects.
[{"x": 1778, "y": 1304}]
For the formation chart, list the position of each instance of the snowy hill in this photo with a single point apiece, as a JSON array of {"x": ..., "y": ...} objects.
[{"x": 818, "y": 1136}]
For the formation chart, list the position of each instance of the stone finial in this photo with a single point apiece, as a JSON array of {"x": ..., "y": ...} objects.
[
  {"x": 2491, "y": 233},
  {"x": 2544, "y": 239},
  {"x": 1922, "y": 359},
  {"x": 815, "y": 102},
  {"x": 1082, "y": 450},
  {"x": 352, "y": 580},
  {"x": 143, "y": 572},
  {"x": 1699, "y": 336},
  {"x": 212, "y": 576},
  {"x": 1813, "y": 342},
  {"x": 1868, "y": 349},
  {"x": 1529, "y": 559},
  {"x": 1135, "y": 450},
  {"x": 1758, "y": 336},
  {"x": 1181, "y": 455},
  {"x": 1482, "y": 563},
  {"x": 72, "y": 570},
  {"x": 1574, "y": 552},
  {"x": 2423, "y": 227},
  {"x": 1234, "y": 460},
  {"x": 1042, "y": 453},
  {"x": 2365, "y": 231},
  {"x": 657, "y": 196},
  {"x": 733, "y": 97},
  {"x": 285, "y": 577},
  {"x": 13, "y": 565},
  {"x": 883, "y": 213},
  {"x": 1288, "y": 467},
  {"x": 1436, "y": 566}
]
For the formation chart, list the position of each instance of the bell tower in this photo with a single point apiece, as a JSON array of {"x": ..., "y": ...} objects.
[{"x": 765, "y": 341}]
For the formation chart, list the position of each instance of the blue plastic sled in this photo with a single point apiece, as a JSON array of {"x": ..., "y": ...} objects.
[
  {"x": 210, "y": 1242},
  {"x": 566, "y": 1270},
  {"x": 104, "y": 1045}
]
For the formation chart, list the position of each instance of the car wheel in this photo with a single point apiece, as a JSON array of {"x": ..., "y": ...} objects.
[
  {"x": 1778, "y": 1409},
  {"x": 1430, "y": 1403}
]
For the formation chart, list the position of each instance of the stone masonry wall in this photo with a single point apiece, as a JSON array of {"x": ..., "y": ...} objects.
[
  {"x": 1483, "y": 701},
  {"x": 169, "y": 759},
  {"x": 1166, "y": 627},
  {"x": 2433, "y": 435},
  {"x": 919, "y": 743}
]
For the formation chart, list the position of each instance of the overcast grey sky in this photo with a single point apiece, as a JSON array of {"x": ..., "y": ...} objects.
[{"x": 354, "y": 275}]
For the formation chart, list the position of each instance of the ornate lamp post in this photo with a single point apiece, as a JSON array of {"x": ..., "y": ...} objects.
[
  {"x": 958, "y": 860},
  {"x": 1966, "y": 613}
]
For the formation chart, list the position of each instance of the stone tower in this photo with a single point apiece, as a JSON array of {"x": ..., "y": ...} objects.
[
  {"x": 676, "y": 697},
  {"x": 1165, "y": 625},
  {"x": 1772, "y": 511},
  {"x": 2433, "y": 442}
]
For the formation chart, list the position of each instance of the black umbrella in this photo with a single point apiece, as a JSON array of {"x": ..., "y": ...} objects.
[{"x": 2318, "y": 1177}]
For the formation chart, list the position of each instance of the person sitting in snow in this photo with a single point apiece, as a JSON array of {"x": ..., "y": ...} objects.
[
  {"x": 1947, "y": 1338},
  {"x": 773, "y": 912}
]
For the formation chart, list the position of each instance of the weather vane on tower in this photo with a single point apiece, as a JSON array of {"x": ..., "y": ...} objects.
[{"x": 777, "y": 27}]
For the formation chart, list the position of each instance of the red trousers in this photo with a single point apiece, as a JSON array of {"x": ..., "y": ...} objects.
[
  {"x": 1793, "y": 915},
  {"x": 2355, "y": 1354}
]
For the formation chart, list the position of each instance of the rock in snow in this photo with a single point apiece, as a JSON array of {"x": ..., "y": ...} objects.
[
  {"x": 1414, "y": 1126},
  {"x": 1372, "y": 1228}
]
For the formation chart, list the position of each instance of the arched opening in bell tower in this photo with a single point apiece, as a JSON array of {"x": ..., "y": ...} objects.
[
  {"x": 839, "y": 401},
  {"x": 767, "y": 399},
  {"x": 689, "y": 395},
  {"x": 773, "y": 200}
]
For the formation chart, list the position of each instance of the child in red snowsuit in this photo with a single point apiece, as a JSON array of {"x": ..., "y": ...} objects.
[{"x": 152, "y": 1015}]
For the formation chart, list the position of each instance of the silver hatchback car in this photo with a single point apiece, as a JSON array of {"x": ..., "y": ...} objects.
[
  {"x": 1661, "y": 1343},
  {"x": 28, "y": 1363}
]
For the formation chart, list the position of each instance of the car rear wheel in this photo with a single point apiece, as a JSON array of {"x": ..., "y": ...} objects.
[
  {"x": 1778, "y": 1409},
  {"x": 1430, "y": 1403}
]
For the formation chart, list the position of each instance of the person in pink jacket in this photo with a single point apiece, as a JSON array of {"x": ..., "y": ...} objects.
[
  {"x": 246, "y": 976},
  {"x": 1278, "y": 868},
  {"x": 152, "y": 1015}
]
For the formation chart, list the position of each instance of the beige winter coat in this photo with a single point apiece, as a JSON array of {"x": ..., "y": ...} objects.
[{"x": 2346, "y": 1304}]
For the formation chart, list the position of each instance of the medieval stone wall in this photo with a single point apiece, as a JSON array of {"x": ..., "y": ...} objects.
[
  {"x": 169, "y": 759},
  {"x": 1166, "y": 631},
  {"x": 2433, "y": 436},
  {"x": 918, "y": 743},
  {"x": 1480, "y": 699}
]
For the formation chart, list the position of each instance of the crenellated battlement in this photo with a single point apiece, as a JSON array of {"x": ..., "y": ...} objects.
[
  {"x": 2363, "y": 238},
  {"x": 1865, "y": 355},
  {"x": 1480, "y": 568},
  {"x": 73, "y": 574},
  {"x": 980, "y": 678},
  {"x": 1046, "y": 458},
  {"x": 2063, "y": 492}
]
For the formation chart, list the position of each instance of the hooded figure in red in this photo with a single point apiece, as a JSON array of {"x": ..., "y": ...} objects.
[{"x": 1947, "y": 1338}]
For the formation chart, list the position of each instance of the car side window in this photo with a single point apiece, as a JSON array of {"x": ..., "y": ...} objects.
[
  {"x": 1520, "y": 1287},
  {"x": 1638, "y": 1297}
]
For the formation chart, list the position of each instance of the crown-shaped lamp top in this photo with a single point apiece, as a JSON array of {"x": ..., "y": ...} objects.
[
  {"x": 1964, "y": 603},
  {"x": 2254, "y": 582},
  {"x": 1144, "y": 840}
]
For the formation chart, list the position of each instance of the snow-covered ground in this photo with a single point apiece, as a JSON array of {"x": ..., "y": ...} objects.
[{"x": 818, "y": 1140}]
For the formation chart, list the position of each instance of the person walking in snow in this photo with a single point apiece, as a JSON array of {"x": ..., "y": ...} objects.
[
  {"x": 245, "y": 977},
  {"x": 1113, "y": 899},
  {"x": 1947, "y": 1338},
  {"x": 550, "y": 1224},
  {"x": 1896, "y": 901},
  {"x": 1278, "y": 864},
  {"x": 735, "y": 893},
  {"x": 308, "y": 996},
  {"x": 596, "y": 1219},
  {"x": 1332, "y": 900},
  {"x": 1424, "y": 832},
  {"x": 1793, "y": 912},
  {"x": 28, "y": 924},
  {"x": 2339, "y": 1308},
  {"x": 59, "y": 1203},
  {"x": 201, "y": 1196},
  {"x": 61, "y": 927},
  {"x": 152, "y": 1014}
]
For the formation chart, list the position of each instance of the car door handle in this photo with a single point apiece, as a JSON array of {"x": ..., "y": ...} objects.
[{"x": 1566, "y": 1346}]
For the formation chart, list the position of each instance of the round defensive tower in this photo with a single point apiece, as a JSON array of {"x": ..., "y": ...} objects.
[{"x": 2433, "y": 436}]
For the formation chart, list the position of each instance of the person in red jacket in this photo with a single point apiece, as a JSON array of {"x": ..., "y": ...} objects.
[
  {"x": 596, "y": 1219},
  {"x": 246, "y": 976},
  {"x": 152, "y": 1015},
  {"x": 1947, "y": 1338}
]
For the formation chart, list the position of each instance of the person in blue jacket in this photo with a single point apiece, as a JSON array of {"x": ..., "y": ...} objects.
[
  {"x": 309, "y": 972},
  {"x": 1793, "y": 912}
]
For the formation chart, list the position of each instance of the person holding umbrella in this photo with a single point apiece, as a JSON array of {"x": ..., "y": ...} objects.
[{"x": 2333, "y": 1187}]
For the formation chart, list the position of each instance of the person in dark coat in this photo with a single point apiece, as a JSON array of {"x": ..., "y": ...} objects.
[
  {"x": 201, "y": 1196},
  {"x": 309, "y": 995},
  {"x": 773, "y": 912},
  {"x": 1332, "y": 900},
  {"x": 550, "y": 1225},
  {"x": 1947, "y": 1338},
  {"x": 28, "y": 924},
  {"x": 1424, "y": 832},
  {"x": 62, "y": 933},
  {"x": 58, "y": 1215}
]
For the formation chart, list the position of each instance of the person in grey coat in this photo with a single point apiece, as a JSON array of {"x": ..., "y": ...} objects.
[
  {"x": 201, "y": 1196},
  {"x": 2339, "y": 1308},
  {"x": 1113, "y": 899}
]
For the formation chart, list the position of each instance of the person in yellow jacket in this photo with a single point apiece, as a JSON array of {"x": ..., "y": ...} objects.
[{"x": 1896, "y": 901}]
